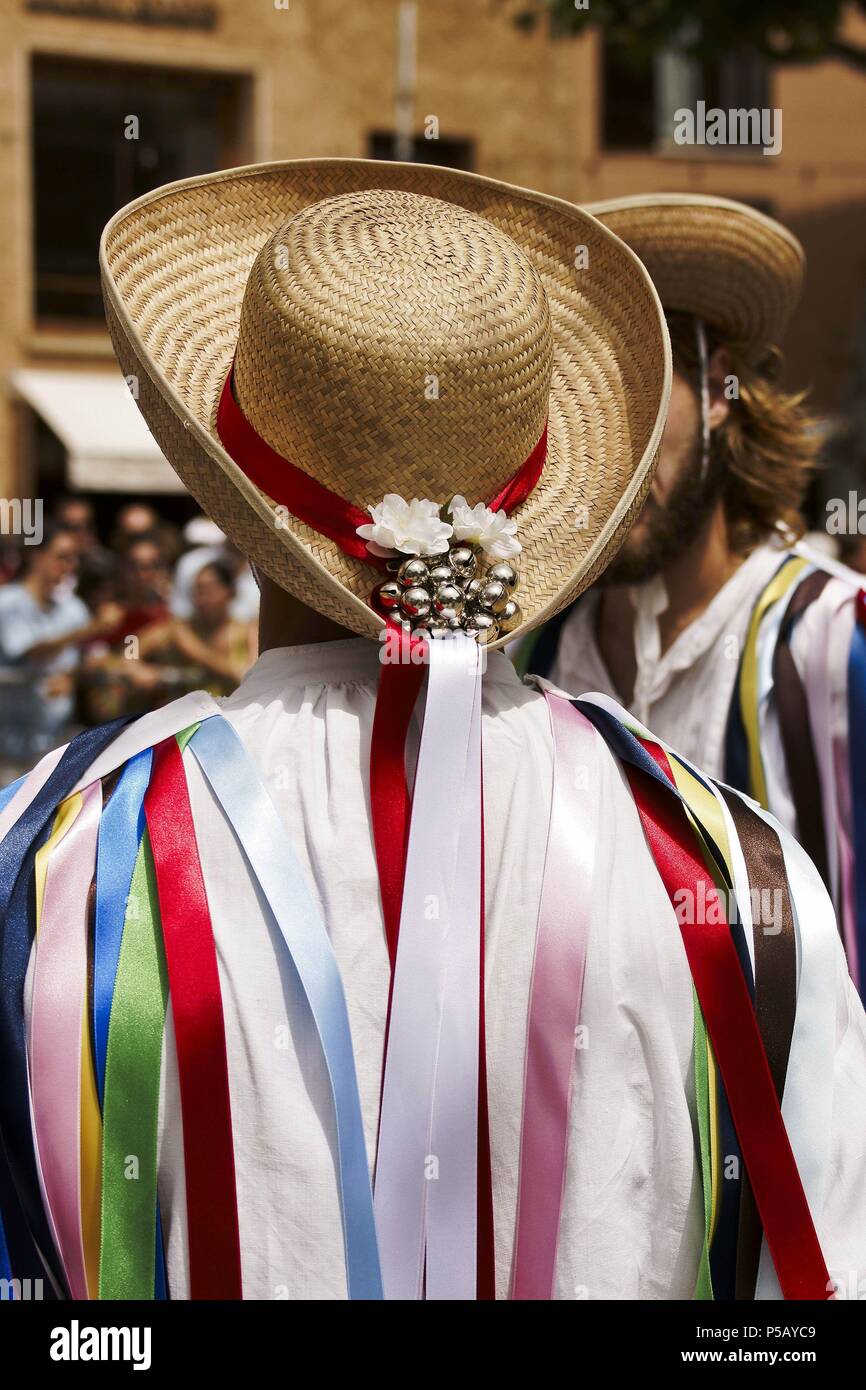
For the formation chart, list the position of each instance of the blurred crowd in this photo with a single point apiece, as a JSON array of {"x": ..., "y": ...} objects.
[{"x": 96, "y": 627}]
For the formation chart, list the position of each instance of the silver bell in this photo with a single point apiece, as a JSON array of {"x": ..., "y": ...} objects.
[
  {"x": 472, "y": 590},
  {"x": 448, "y": 596},
  {"x": 413, "y": 571},
  {"x": 441, "y": 573},
  {"x": 503, "y": 573},
  {"x": 510, "y": 616},
  {"x": 463, "y": 560},
  {"x": 415, "y": 602},
  {"x": 494, "y": 596},
  {"x": 484, "y": 627},
  {"x": 451, "y": 615},
  {"x": 387, "y": 596}
]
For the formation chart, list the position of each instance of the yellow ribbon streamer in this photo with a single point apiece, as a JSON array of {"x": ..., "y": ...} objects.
[
  {"x": 781, "y": 583},
  {"x": 63, "y": 820}
]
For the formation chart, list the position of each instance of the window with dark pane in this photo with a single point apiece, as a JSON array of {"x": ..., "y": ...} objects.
[
  {"x": 448, "y": 151},
  {"x": 84, "y": 167}
]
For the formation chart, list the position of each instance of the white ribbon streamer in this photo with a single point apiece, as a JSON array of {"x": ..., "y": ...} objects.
[{"x": 425, "y": 1196}]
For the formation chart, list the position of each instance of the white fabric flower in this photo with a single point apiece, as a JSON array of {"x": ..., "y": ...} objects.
[
  {"x": 495, "y": 532},
  {"x": 413, "y": 528}
]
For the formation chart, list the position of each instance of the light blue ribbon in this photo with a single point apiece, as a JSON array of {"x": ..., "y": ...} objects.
[
  {"x": 120, "y": 831},
  {"x": 7, "y": 793},
  {"x": 260, "y": 833}
]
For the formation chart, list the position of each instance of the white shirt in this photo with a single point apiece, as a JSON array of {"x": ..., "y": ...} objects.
[
  {"x": 683, "y": 694},
  {"x": 632, "y": 1211}
]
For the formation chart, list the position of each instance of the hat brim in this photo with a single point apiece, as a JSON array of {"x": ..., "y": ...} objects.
[
  {"x": 723, "y": 261},
  {"x": 174, "y": 268}
]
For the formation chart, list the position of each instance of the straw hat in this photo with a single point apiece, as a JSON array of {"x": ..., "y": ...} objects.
[
  {"x": 395, "y": 328},
  {"x": 722, "y": 261}
]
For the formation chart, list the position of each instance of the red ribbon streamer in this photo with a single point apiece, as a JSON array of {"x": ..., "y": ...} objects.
[
  {"x": 316, "y": 505},
  {"x": 390, "y": 804},
  {"x": 733, "y": 1031},
  {"x": 196, "y": 1001}
]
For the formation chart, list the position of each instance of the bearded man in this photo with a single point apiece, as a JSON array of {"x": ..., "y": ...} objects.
[{"x": 715, "y": 624}]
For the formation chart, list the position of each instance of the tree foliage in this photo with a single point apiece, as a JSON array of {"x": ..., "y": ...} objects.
[{"x": 781, "y": 32}]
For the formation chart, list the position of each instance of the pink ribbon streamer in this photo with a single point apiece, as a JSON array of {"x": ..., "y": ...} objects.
[
  {"x": 28, "y": 789},
  {"x": 555, "y": 999},
  {"x": 839, "y": 645},
  {"x": 828, "y": 655},
  {"x": 57, "y": 1015}
]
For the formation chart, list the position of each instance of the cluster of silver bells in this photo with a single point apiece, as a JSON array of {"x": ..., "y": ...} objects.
[{"x": 452, "y": 591}]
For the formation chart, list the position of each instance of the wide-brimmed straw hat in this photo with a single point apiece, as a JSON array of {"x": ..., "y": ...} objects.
[
  {"x": 723, "y": 261},
  {"x": 394, "y": 328}
]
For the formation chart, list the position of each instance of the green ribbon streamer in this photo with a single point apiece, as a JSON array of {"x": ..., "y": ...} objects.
[
  {"x": 127, "y": 1263},
  {"x": 132, "y": 1072}
]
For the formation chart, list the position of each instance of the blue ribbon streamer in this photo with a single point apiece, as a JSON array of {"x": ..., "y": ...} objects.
[
  {"x": 857, "y": 763},
  {"x": 6, "y": 795},
  {"x": 17, "y": 927},
  {"x": 120, "y": 830},
  {"x": 262, "y": 837}
]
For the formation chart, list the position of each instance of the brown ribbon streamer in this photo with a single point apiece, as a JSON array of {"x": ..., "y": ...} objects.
[
  {"x": 775, "y": 996},
  {"x": 796, "y": 731}
]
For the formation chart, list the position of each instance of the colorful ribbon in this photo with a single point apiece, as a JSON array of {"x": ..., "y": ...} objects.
[
  {"x": 437, "y": 905},
  {"x": 120, "y": 832},
  {"x": 260, "y": 833},
  {"x": 19, "y": 795},
  {"x": 214, "y": 1242},
  {"x": 857, "y": 754},
  {"x": 128, "y": 1258},
  {"x": 702, "y": 840},
  {"x": 780, "y": 585},
  {"x": 57, "y": 1016},
  {"x": 17, "y": 854},
  {"x": 555, "y": 997},
  {"x": 792, "y": 704},
  {"x": 737, "y": 1044},
  {"x": 390, "y": 802}
]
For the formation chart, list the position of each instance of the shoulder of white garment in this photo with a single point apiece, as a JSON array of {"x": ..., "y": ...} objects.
[{"x": 834, "y": 607}]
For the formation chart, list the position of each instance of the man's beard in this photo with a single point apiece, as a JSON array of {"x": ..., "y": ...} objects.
[{"x": 670, "y": 528}]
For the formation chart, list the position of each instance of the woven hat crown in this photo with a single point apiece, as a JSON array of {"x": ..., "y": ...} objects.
[{"x": 393, "y": 342}]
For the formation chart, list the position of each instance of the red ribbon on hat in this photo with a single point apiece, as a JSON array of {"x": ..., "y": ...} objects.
[{"x": 318, "y": 506}]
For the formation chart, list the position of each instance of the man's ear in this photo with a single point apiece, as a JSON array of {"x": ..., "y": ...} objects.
[{"x": 718, "y": 373}]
